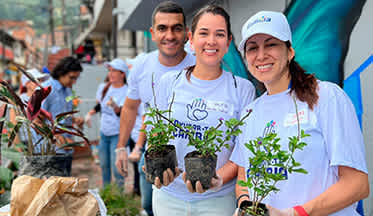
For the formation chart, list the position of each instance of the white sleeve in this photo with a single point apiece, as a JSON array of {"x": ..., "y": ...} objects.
[
  {"x": 161, "y": 96},
  {"x": 123, "y": 96},
  {"x": 133, "y": 85},
  {"x": 163, "y": 91},
  {"x": 240, "y": 153},
  {"x": 246, "y": 92},
  {"x": 99, "y": 91},
  {"x": 340, "y": 128}
]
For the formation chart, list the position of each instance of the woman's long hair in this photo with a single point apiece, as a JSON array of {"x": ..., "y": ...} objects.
[
  {"x": 108, "y": 84},
  {"x": 304, "y": 85}
]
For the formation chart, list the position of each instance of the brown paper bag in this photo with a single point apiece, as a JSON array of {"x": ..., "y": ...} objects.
[{"x": 65, "y": 196}]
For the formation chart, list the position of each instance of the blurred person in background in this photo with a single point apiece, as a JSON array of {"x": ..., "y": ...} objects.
[
  {"x": 110, "y": 99},
  {"x": 62, "y": 79},
  {"x": 27, "y": 88}
]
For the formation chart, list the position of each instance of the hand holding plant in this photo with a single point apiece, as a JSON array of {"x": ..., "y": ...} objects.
[
  {"x": 200, "y": 165},
  {"x": 215, "y": 139},
  {"x": 159, "y": 156},
  {"x": 268, "y": 155}
]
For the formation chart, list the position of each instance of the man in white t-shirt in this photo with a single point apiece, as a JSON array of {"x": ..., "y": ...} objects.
[{"x": 169, "y": 32}]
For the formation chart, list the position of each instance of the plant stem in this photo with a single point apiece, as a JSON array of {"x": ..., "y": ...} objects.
[
  {"x": 172, "y": 102},
  {"x": 296, "y": 110},
  {"x": 235, "y": 127}
]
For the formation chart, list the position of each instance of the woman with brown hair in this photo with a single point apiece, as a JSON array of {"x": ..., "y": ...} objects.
[
  {"x": 110, "y": 98},
  {"x": 334, "y": 156},
  {"x": 203, "y": 94}
]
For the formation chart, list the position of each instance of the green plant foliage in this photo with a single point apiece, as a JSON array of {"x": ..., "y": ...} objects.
[
  {"x": 6, "y": 178},
  {"x": 215, "y": 139},
  {"x": 12, "y": 154},
  {"x": 118, "y": 203},
  {"x": 266, "y": 152},
  {"x": 161, "y": 127},
  {"x": 161, "y": 130}
]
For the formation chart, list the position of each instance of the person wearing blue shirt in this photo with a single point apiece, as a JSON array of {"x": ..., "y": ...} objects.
[{"x": 63, "y": 77}]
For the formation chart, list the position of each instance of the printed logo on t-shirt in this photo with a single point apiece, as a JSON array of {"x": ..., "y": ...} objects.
[
  {"x": 196, "y": 111},
  {"x": 291, "y": 118},
  {"x": 198, "y": 130},
  {"x": 273, "y": 167},
  {"x": 199, "y": 108}
]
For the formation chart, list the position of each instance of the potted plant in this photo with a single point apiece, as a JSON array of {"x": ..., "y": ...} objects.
[
  {"x": 159, "y": 156},
  {"x": 267, "y": 153},
  {"x": 200, "y": 165},
  {"x": 41, "y": 132}
]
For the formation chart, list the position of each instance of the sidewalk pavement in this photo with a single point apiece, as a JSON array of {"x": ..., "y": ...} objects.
[{"x": 84, "y": 167}]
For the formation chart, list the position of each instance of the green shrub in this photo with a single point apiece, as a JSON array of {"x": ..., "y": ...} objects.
[{"x": 118, "y": 203}]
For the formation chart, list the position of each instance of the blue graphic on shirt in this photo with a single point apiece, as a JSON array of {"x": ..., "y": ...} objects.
[
  {"x": 197, "y": 110},
  {"x": 271, "y": 167},
  {"x": 199, "y": 130}
]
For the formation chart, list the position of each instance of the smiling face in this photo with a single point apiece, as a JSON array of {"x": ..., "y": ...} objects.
[
  {"x": 116, "y": 76},
  {"x": 169, "y": 33},
  {"x": 210, "y": 40},
  {"x": 267, "y": 59}
]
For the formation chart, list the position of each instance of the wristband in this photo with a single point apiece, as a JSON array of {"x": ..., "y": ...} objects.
[
  {"x": 300, "y": 210},
  {"x": 137, "y": 149},
  {"x": 120, "y": 149},
  {"x": 239, "y": 198}
]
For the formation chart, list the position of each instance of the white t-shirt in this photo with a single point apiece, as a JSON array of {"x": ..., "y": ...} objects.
[
  {"x": 201, "y": 103},
  {"x": 136, "y": 129},
  {"x": 140, "y": 78},
  {"x": 140, "y": 81},
  {"x": 336, "y": 140},
  {"x": 100, "y": 87},
  {"x": 109, "y": 119}
]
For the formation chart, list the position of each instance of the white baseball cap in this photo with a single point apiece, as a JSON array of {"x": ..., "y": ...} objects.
[
  {"x": 118, "y": 64},
  {"x": 266, "y": 22},
  {"x": 34, "y": 73}
]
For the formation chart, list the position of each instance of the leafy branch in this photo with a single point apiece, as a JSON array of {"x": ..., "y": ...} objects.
[{"x": 267, "y": 155}]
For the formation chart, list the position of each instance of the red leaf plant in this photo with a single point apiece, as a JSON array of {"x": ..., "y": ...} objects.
[{"x": 37, "y": 118}]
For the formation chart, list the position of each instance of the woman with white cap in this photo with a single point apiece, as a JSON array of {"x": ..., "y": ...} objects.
[
  {"x": 110, "y": 100},
  {"x": 334, "y": 156}
]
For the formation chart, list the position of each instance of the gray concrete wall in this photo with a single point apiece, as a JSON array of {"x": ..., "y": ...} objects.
[
  {"x": 361, "y": 47},
  {"x": 241, "y": 10}
]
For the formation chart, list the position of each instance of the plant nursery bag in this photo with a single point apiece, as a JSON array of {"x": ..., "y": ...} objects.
[{"x": 54, "y": 196}]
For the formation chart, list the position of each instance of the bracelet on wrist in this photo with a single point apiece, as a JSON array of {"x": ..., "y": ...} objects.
[
  {"x": 239, "y": 198},
  {"x": 120, "y": 149},
  {"x": 137, "y": 149},
  {"x": 300, "y": 210}
]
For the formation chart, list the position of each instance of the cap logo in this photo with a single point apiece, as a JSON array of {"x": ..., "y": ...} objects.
[{"x": 261, "y": 19}]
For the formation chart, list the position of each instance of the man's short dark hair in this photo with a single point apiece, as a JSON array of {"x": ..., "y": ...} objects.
[
  {"x": 168, "y": 7},
  {"x": 66, "y": 65}
]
